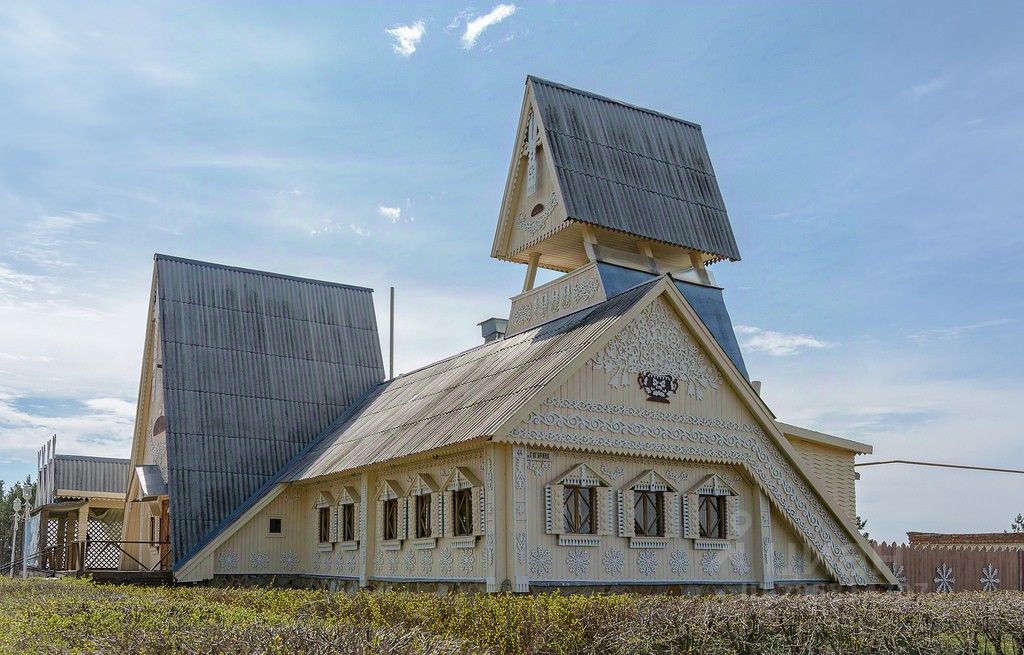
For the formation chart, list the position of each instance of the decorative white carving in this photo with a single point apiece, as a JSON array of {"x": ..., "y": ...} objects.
[
  {"x": 679, "y": 477},
  {"x": 535, "y": 224},
  {"x": 538, "y": 468},
  {"x": 710, "y": 563},
  {"x": 799, "y": 562},
  {"x": 989, "y": 578},
  {"x": 426, "y": 561},
  {"x": 647, "y": 562},
  {"x": 350, "y": 562},
  {"x": 778, "y": 560},
  {"x": 259, "y": 561},
  {"x": 392, "y": 558},
  {"x": 740, "y": 563},
  {"x": 579, "y": 540},
  {"x": 227, "y": 561},
  {"x": 518, "y": 468},
  {"x": 612, "y": 473},
  {"x": 944, "y": 579},
  {"x": 289, "y": 561},
  {"x": 679, "y": 562},
  {"x": 613, "y": 561},
  {"x": 447, "y": 560},
  {"x": 540, "y": 561},
  {"x": 564, "y": 296},
  {"x": 521, "y": 548},
  {"x": 410, "y": 562},
  {"x": 656, "y": 342},
  {"x": 577, "y": 560},
  {"x": 466, "y": 560},
  {"x": 751, "y": 447},
  {"x": 899, "y": 574}
]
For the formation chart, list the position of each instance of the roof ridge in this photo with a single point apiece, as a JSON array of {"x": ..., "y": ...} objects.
[
  {"x": 615, "y": 101},
  {"x": 252, "y": 271},
  {"x": 93, "y": 458}
]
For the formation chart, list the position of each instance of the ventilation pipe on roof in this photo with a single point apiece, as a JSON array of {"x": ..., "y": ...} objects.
[
  {"x": 493, "y": 329},
  {"x": 757, "y": 386}
]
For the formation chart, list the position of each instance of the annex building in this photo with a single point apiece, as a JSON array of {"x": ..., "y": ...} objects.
[{"x": 605, "y": 436}]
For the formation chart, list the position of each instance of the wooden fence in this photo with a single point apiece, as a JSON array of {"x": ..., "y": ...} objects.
[{"x": 944, "y": 568}]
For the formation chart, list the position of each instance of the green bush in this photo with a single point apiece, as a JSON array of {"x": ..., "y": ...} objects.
[{"x": 77, "y": 616}]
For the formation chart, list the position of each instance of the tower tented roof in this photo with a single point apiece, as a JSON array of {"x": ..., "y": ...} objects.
[{"x": 634, "y": 170}]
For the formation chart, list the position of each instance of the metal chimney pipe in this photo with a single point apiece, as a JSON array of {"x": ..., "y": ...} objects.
[{"x": 391, "y": 340}]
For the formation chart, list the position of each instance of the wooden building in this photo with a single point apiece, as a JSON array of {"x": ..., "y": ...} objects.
[{"x": 605, "y": 436}]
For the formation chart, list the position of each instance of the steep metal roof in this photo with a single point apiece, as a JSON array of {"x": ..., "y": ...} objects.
[
  {"x": 707, "y": 301},
  {"x": 255, "y": 365},
  {"x": 460, "y": 398},
  {"x": 634, "y": 170}
]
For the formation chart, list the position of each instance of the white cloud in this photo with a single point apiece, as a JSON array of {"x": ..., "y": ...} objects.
[
  {"x": 927, "y": 88},
  {"x": 393, "y": 214},
  {"x": 407, "y": 37},
  {"x": 476, "y": 27},
  {"x": 458, "y": 19},
  {"x": 956, "y": 331},
  {"x": 360, "y": 231},
  {"x": 777, "y": 344}
]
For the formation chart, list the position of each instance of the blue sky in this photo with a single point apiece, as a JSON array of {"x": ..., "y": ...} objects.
[{"x": 870, "y": 155}]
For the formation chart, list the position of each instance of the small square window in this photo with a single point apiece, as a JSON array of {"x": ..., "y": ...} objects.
[{"x": 275, "y": 526}]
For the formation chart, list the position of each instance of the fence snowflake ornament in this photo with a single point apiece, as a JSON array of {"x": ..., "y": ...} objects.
[
  {"x": 613, "y": 561},
  {"x": 577, "y": 561},
  {"x": 989, "y": 578},
  {"x": 944, "y": 579},
  {"x": 647, "y": 562},
  {"x": 899, "y": 574}
]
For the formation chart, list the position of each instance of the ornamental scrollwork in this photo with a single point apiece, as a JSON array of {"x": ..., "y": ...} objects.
[{"x": 656, "y": 344}]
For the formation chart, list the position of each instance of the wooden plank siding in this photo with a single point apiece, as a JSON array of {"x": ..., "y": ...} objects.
[{"x": 921, "y": 565}]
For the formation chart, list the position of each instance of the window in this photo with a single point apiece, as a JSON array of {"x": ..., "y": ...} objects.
[
  {"x": 348, "y": 522},
  {"x": 423, "y": 516},
  {"x": 647, "y": 511},
  {"x": 154, "y": 536},
  {"x": 578, "y": 504},
  {"x": 324, "y": 525},
  {"x": 462, "y": 501},
  {"x": 391, "y": 519},
  {"x": 274, "y": 526},
  {"x": 711, "y": 510}
]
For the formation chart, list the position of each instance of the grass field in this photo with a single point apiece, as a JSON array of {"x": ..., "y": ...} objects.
[{"x": 77, "y": 616}]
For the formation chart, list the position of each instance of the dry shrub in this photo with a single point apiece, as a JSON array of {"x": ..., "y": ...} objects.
[{"x": 69, "y": 616}]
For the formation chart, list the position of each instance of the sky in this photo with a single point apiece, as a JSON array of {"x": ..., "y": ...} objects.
[{"x": 869, "y": 153}]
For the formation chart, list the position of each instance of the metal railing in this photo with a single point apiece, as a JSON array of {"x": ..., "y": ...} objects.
[{"x": 83, "y": 556}]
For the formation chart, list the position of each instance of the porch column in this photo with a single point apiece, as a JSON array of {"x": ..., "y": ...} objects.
[{"x": 762, "y": 527}]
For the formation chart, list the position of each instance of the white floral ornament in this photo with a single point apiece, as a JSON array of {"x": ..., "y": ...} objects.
[
  {"x": 410, "y": 562},
  {"x": 944, "y": 579},
  {"x": 466, "y": 560},
  {"x": 228, "y": 560},
  {"x": 540, "y": 561},
  {"x": 577, "y": 561},
  {"x": 900, "y": 574},
  {"x": 740, "y": 563},
  {"x": 679, "y": 562},
  {"x": 289, "y": 561},
  {"x": 447, "y": 560},
  {"x": 779, "y": 561},
  {"x": 259, "y": 561},
  {"x": 989, "y": 578},
  {"x": 656, "y": 343},
  {"x": 647, "y": 562},
  {"x": 426, "y": 561},
  {"x": 613, "y": 561},
  {"x": 392, "y": 563},
  {"x": 799, "y": 563},
  {"x": 710, "y": 563}
]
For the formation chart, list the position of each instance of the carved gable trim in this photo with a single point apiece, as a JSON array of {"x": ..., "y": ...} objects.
[
  {"x": 461, "y": 478},
  {"x": 389, "y": 490},
  {"x": 649, "y": 480},
  {"x": 582, "y": 475},
  {"x": 324, "y": 499},
  {"x": 712, "y": 485},
  {"x": 349, "y": 496},
  {"x": 423, "y": 484}
]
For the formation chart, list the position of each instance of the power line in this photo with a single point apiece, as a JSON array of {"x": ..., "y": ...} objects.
[{"x": 938, "y": 465}]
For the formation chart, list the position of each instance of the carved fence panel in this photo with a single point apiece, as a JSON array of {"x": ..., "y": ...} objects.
[{"x": 924, "y": 569}]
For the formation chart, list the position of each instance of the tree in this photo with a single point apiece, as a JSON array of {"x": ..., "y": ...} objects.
[
  {"x": 862, "y": 524},
  {"x": 1018, "y": 524}
]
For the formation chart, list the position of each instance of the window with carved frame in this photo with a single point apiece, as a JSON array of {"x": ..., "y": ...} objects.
[
  {"x": 348, "y": 522},
  {"x": 390, "y": 519},
  {"x": 578, "y": 508},
  {"x": 648, "y": 513},
  {"x": 424, "y": 517},
  {"x": 323, "y": 525},
  {"x": 462, "y": 501},
  {"x": 712, "y": 512}
]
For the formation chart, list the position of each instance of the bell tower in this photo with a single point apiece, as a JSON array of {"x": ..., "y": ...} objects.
[{"x": 609, "y": 194}]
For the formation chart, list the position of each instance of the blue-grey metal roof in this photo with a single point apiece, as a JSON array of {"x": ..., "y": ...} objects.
[
  {"x": 255, "y": 365},
  {"x": 707, "y": 302},
  {"x": 89, "y": 474},
  {"x": 634, "y": 170}
]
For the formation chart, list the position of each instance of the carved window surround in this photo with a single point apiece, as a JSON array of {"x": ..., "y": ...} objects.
[
  {"x": 325, "y": 547},
  {"x": 349, "y": 545},
  {"x": 712, "y": 544},
  {"x": 464, "y": 542},
  {"x": 391, "y": 545},
  {"x": 579, "y": 540},
  {"x": 424, "y": 544},
  {"x": 640, "y": 543}
]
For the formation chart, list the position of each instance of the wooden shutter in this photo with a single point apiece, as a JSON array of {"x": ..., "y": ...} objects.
[
  {"x": 436, "y": 515},
  {"x": 554, "y": 511},
  {"x": 626, "y": 520},
  {"x": 672, "y": 514},
  {"x": 380, "y": 520},
  {"x": 603, "y": 513},
  {"x": 356, "y": 508},
  {"x": 333, "y": 522},
  {"x": 732, "y": 517},
  {"x": 479, "y": 510},
  {"x": 403, "y": 517},
  {"x": 691, "y": 519}
]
